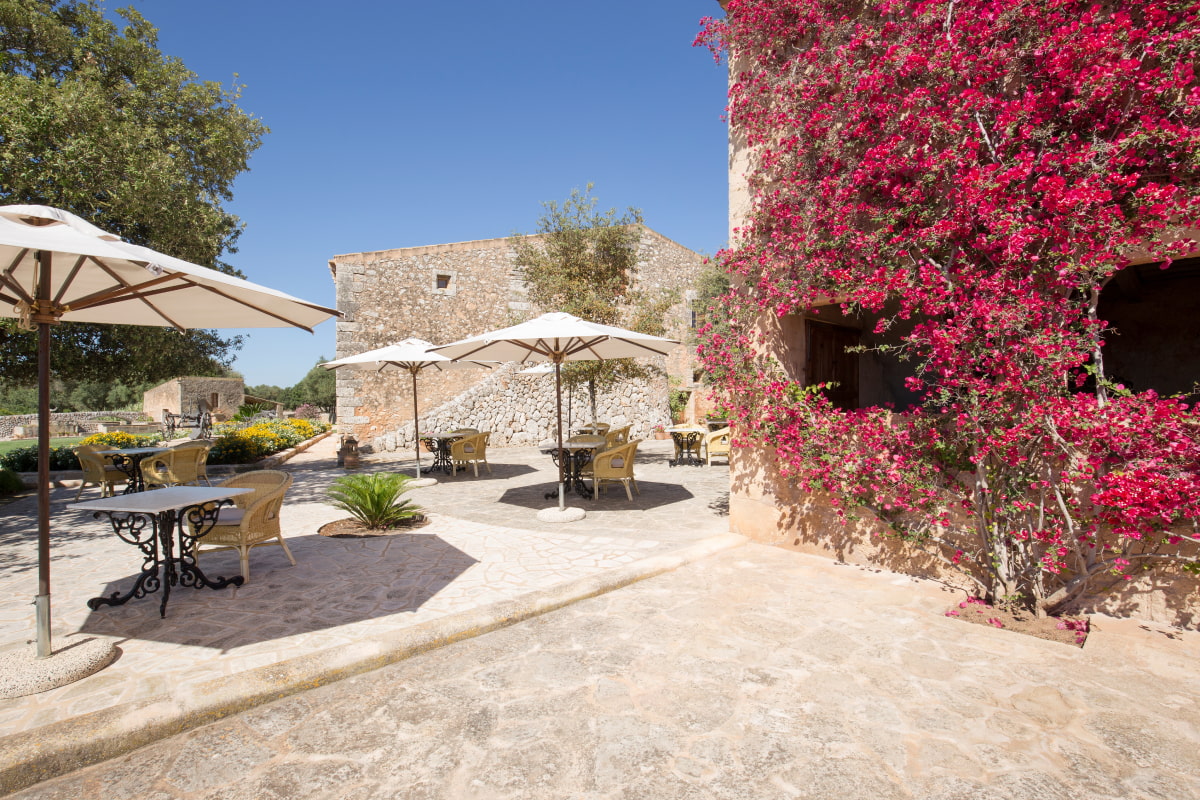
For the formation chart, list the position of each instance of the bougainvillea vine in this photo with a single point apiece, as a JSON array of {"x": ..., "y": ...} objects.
[{"x": 978, "y": 170}]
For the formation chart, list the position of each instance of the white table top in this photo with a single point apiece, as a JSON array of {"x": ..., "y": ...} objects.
[
  {"x": 159, "y": 500},
  {"x": 133, "y": 451},
  {"x": 582, "y": 445},
  {"x": 444, "y": 435},
  {"x": 686, "y": 429}
]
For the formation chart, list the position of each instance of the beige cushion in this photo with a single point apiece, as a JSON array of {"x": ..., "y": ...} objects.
[
  {"x": 618, "y": 462},
  {"x": 230, "y": 516}
]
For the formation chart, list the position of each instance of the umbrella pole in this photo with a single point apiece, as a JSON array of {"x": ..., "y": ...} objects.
[
  {"x": 416, "y": 424},
  {"x": 562, "y": 456},
  {"x": 42, "y": 602}
]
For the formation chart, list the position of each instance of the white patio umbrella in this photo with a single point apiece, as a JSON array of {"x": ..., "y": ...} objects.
[
  {"x": 412, "y": 356},
  {"x": 55, "y": 266},
  {"x": 558, "y": 337}
]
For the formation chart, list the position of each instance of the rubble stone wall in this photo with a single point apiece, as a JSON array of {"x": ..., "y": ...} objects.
[{"x": 72, "y": 422}]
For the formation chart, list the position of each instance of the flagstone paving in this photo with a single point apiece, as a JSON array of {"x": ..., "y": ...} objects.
[
  {"x": 754, "y": 674},
  {"x": 483, "y": 545}
]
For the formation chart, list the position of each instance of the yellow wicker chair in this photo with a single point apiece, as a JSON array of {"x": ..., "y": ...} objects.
[
  {"x": 184, "y": 464},
  {"x": 254, "y": 519},
  {"x": 716, "y": 444},
  {"x": 616, "y": 437},
  {"x": 97, "y": 470},
  {"x": 189, "y": 462},
  {"x": 470, "y": 450},
  {"x": 588, "y": 438},
  {"x": 615, "y": 466}
]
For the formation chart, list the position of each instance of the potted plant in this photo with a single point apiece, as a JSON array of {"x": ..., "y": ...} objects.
[{"x": 660, "y": 432}]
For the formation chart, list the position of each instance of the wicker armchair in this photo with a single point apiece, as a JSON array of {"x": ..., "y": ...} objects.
[
  {"x": 716, "y": 444},
  {"x": 616, "y": 437},
  {"x": 598, "y": 440},
  {"x": 189, "y": 462},
  {"x": 470, "y": 450},
  {"x": 615, "y": 466},
  {"x": 97, "y": 470},
  {"x": 254, "y": 519},
  {"x": 184, "y": 464}
]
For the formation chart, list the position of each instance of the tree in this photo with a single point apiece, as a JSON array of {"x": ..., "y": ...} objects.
[
  {"x": 582, "y": 262},
  {"x": 982, "y": 168},
  {"x": 99, "y": 122},
  {"x": 318, "y": 387}
]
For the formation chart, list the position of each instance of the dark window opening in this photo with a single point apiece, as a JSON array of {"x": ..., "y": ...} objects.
[
  {"x": 1153, "y": 341},
  {"x": 827, "y": 361},
  {"x": 443, "y": 281}
]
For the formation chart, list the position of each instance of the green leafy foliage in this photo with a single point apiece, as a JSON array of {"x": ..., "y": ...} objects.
[
  {"x": 98, "y": 121},
  {"x": 25, "y": 459},
  {"x": 318, "y": 388},
  {"x": 237, "y": 445},
  {"x": 119, "y": 439},
  {"x": 374, "y": 499},
  {"x": 9, "y": 482},
  {"x": 247, "y": 411},
  {"x": 582, "y": 261}
]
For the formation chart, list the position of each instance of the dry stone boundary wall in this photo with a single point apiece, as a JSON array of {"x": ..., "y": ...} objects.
[
  {"x": 82, "y": 422},
  {"x": 520, "y": 410}
]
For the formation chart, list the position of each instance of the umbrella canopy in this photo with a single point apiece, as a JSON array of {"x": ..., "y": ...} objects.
[
  {"x": 558, "y": 337},
  {"x": 410, "y": 355},
  {"x": 55, "y": 266},
  {"x": 92, "y": 276}
]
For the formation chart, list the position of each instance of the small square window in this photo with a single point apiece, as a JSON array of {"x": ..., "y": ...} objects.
[{"x": 443, "y": 281}]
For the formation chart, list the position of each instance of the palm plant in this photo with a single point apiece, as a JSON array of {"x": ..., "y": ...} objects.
[{"x": 373, "y": 499}]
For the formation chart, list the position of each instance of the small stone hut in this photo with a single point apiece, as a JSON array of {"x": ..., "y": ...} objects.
[
  {"x": 219, "y": 396},
  {"x": 442, "y": 293}
]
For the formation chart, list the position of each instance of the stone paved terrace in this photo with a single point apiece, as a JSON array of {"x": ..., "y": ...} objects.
[
  {"x": 754, "y": 674},
  {"x": 483, "y": 545},
  {"x": 739, "y": 672}
]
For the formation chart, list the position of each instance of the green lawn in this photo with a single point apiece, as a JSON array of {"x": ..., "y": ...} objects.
[{"x": 17, "y": 444}]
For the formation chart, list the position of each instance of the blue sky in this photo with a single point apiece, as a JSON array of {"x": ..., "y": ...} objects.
[{"x": 406, "y": 124}]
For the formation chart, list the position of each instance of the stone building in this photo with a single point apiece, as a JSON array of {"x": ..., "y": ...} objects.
[
  {"x": 220, "y": 396},
  {"x": 442, "y": 293}
]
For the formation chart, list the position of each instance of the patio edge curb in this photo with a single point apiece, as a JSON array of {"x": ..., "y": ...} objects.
[{"x": 30, "y": 757}]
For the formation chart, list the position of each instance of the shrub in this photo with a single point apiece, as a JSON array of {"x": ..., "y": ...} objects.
[
  {"x": 248, "y": 411},
  {"x": 372, "y": 499},
  {"x": 9, "y": 482},
  {"x": 307, "y": 411},
  {"x": 236, "y": 445},
  {"x": 25, "y": 459},
  {"x": 122, "y": 440}
]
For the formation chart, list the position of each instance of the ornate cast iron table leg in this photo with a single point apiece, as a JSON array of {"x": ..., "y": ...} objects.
[{"x": 154, "y": 535}]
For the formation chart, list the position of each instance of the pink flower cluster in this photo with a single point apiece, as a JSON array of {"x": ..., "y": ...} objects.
[{"x": 979, "y": 170}]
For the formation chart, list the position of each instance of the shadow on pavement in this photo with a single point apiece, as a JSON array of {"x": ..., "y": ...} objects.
[
  {"x": 653, "y": 495},
  {"x": 335, "y": 582}
]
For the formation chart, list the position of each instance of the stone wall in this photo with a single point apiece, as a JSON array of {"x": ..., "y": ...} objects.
[
  {"x": 442, "y": 293},
  {"x": 520, "y": 411},
  {"x": 81, "y": 422}
]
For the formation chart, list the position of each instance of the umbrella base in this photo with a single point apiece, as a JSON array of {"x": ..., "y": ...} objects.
[
  {"x": 561, "y": 514},
  {"x": 417, "y": 483},
  {"x": 22, "y": 672}
]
